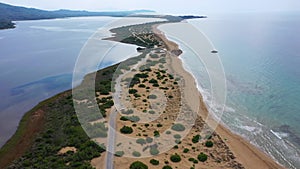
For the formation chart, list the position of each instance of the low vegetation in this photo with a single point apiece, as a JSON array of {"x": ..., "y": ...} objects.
[
  {"x": 138, "y": 165},
  {"x": 202, "y": 157}
]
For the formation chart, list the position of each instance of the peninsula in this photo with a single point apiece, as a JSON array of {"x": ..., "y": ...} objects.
[{"x": 148, "y": 100}]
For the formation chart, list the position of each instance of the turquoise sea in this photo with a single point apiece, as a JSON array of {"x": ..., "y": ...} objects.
[{"x": 260, "y": 53}]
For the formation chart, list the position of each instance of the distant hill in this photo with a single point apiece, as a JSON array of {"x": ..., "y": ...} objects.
[{"x": 11, "y": 13}]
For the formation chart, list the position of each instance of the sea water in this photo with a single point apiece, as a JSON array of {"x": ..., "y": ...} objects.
[{"x": 260, "y": 53}]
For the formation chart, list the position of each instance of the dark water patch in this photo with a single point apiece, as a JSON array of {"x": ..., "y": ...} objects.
[{"x": 49, "y": 83}]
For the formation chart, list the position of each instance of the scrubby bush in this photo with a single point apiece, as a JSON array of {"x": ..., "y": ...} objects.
[
  {"x": 119, "y": 153},
  {"x": 196, "y": 138},
  {"x": 130, "y": 111},
  {"x": 209, "y": 143},
  {"x": 154, "y": 151},
  {"x": 132, "y": 91},
  {"x": 178, "y": 127},
  {"x": 130, "y": 118},
  {"x": 153, "y": 81},
  {"x": 175, "y": 158},
  {"x": 193, "y": 160},
  {"x": 186, "y": 150},
  {"x": 149, "y": 140},
  {"x": 136, "y": 154},
  {"x": 156, "y": 133},
  {"x": 202, "y": 157},
  {"x": 138, "y": 165},
  {"x": 159, "y": 125},
  {"x": 167, "y": 167},
  {"x": 154, "y": 162},
  {"x": 141, "y": 141},
  {"x": 141, "y": 86},
  {"x": 155, "y": 85},
  {"x": 126, "y": 130},
  {"x": 152, "y": 96},
  {"x": 151, "y": 112},
  {"x": 177, "y": 136}
]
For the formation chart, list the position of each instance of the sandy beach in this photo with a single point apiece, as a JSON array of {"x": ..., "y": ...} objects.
[{"x": 246, "y": 154}]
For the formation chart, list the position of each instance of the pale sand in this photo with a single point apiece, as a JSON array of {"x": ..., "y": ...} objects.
[
  {"x": 66, "y": 149},
  {"x": 248, "y": 155}
]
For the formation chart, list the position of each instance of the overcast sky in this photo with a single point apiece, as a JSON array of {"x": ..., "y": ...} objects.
[{"x": 164, "y": 6}]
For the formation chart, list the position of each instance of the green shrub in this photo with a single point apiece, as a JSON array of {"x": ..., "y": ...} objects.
[
  {"x": 141, "y": 86},
  {"x": 154, "y": 162},
  {"x": 175, "y": 158},
  {"x": 209, "y": 143},
  {"x": 178, "y": 127},
  {"x": 177, "y": 136},
  {"x": 119, "y": 153},
  {"x": 132, "y": 91},
  {"x": 151, "y": 112},
  {"x": 136, "y": 95},
  {"x": 141, "y": 141},
  {"x": 186, "y": 150},
  {"x": 130, "y": 111},
  {"x": 202, "y": 157},
  {"x": 159, "y": 125},
  {"x": 126, "y": 130},
  {"x": 152, "y": 96},
  {"x": 130, "y": 118},
  {"x": 156, "y": 133},
  {"x": 149, "y": 140},
  {"x": 153, "y": 81},
  {"x": 196, "y": 138},
  {"x": 155, "y": 85},
  {"x": 154, "y": 151},
  {"x": 193, "y": 160},
  {"x": 136, "y": 154},
  {"x": 167, "y": 167},
  {"x": 138, "y": 165}
]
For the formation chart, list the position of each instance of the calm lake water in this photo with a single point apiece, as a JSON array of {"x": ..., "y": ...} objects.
[
  {"x": 38, "y": 57},
  {"x": 261, "y": 57}
]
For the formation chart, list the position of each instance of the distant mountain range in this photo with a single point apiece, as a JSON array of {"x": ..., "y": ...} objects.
[{"x": 11, "y": 13}]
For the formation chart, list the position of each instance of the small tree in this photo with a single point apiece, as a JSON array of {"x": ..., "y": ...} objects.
[
  {"x": 126, "y": 130},
  {"x": 154, "y": 162},
  {"x": 178, "y": 127},
  {"x": 196, "y": 138},
  {"x": 167, "y": 167},
  {"x": 141, "y": 141},
  {"x": 202, "y": 157},
  {"x": 186, "y": 150},
  {"x": 154, "y": 151},
  {"x": 209, "y": 143},
  {"x": 138, "y": 165},
  {"x": 119, "y": 153},
  {"x": 175, "y": 158},
  {"x": 136, "y": 154},
  {"x": 149, "y": 140}
]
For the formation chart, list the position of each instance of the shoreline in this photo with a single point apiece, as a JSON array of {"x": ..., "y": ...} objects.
[{"x": 246, "y": 153}]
